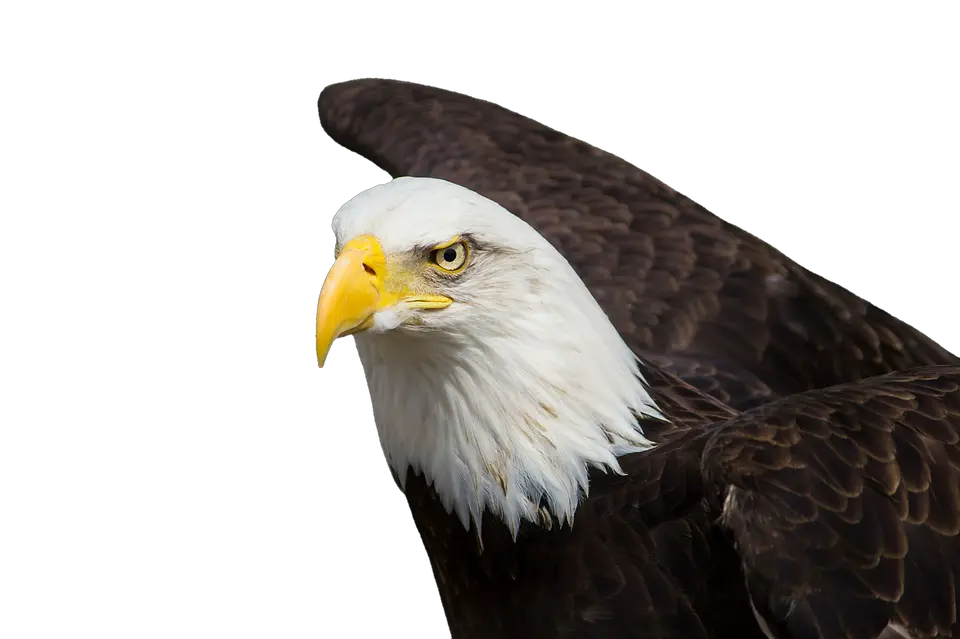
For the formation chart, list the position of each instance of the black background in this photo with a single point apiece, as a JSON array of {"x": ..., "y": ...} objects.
[{"x": 844, "y": 179}]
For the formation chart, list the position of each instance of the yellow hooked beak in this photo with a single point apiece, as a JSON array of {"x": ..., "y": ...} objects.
[{"x": 357, "y": 287}]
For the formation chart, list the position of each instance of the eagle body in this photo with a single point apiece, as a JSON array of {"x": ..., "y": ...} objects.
[
  {"x": 613, "y": 574},
  {"x": 716, "y": 532},
  {"x": 613, "y": 415},
  {"x": 642, "y": 560}
]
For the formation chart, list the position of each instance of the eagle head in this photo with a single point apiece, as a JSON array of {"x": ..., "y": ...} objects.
[{"x": 491, "y": 368}]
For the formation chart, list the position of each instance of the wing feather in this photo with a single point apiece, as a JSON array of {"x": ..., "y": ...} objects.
[{"x": 845, "y": 504}]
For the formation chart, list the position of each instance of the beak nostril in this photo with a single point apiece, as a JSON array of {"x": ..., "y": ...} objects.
[{"x": 369, "y": 269}]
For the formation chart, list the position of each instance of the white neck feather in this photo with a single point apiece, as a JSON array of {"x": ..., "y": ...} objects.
[{"x": 513, "y": 406}]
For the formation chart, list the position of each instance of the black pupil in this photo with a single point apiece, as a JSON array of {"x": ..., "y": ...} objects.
[{"x": 450, "y": 254}]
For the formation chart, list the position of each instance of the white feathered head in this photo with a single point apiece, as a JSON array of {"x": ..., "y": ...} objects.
[{"x": 491, "y": 368}]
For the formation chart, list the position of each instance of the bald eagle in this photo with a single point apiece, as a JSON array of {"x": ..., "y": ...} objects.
[
  {"x": 739, "y": 513},
  {"x": 565, "y": 487}
]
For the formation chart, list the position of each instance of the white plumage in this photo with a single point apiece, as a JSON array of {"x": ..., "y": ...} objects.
[{"x": 512, "y": 392}]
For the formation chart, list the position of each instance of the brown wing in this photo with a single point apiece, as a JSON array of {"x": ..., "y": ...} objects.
[
  {"x": 845, "y": 505},
  {"x": 674, "y": 278}
]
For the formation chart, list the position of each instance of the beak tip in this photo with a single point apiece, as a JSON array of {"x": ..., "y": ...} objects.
[{"x": 321, "y": 357}]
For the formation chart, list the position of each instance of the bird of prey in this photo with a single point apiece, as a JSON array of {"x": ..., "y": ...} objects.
[{"x": 671, "y": 534}]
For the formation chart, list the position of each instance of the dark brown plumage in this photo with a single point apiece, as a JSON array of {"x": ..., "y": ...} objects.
[
  {"x": 847, "y": 500},
  {"x": 785, "y": 486}
]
